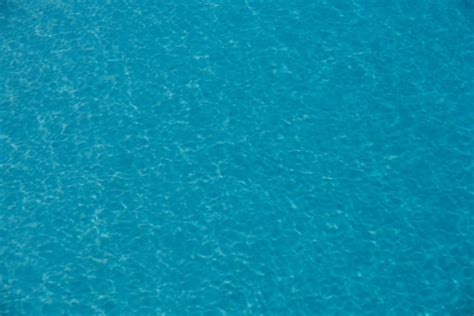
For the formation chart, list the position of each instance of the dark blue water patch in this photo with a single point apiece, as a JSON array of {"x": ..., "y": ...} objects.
[{"x": 467, "y": 7}]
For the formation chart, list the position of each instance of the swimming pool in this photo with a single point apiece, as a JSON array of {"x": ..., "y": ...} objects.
[{"x": 227, "y": 157}]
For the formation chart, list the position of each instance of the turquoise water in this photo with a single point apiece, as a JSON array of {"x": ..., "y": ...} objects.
[{"x": 226, "y": 157}]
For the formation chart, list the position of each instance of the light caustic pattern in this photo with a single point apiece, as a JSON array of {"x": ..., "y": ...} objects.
[{"x": 217, "y": 157}]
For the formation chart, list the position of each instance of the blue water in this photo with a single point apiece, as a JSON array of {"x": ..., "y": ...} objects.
[{"x": 228, "y": 157}]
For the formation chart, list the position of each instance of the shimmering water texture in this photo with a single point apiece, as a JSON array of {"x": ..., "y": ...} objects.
[{"x": 229, "y": 157}]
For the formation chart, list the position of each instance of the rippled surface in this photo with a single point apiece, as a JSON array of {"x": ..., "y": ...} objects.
[{"x": 236, "y": 157}]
